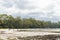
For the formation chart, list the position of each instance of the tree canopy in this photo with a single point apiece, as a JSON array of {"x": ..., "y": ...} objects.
[{"x": 8, "y": 21}]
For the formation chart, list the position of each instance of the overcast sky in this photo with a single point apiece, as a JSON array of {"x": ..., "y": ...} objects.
[{"x": 48, "y": 10}]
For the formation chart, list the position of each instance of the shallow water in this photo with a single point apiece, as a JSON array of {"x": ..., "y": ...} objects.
[{"x": 14, "y": 33}]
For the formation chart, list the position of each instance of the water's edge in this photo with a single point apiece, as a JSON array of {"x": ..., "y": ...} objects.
[{"x": 29, "y": 34}]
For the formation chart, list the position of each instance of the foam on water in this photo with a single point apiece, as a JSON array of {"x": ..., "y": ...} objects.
[{"x": 14, "y": 33}]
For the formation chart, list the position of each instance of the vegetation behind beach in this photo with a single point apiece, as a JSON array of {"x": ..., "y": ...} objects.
[{"x": 8, "y": 21}]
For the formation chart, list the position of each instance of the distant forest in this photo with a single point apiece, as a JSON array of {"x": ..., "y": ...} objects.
[{"x": 8, "y": 21}]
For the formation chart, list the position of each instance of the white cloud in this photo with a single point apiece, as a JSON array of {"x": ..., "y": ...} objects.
[
  {"x": 48, "y": 9},
  {"x": 39, "y": 3}
]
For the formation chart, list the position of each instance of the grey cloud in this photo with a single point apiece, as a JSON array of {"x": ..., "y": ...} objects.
[
  {"x": 34, "y": 14},
  {"x": 50, "y": 9},
  {"x": 50, "y": 13},
  {"x": 8, "y": 3},
  {"x": 56, "y": 18},
  {"x": 45, "y": 19},
  {"x": 18, "y": 14},
  {"x": 23, "y": 4},
  {"x": 20, "y": 4}
]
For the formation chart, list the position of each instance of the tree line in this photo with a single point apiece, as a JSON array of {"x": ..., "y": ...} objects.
[{"x": 8, "y": 21}]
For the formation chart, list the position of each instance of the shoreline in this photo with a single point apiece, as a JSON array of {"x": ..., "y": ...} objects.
[{"x": 27, "y": 34}]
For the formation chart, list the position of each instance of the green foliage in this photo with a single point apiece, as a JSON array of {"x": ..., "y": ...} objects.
[{"x": 8, "y": 21}]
